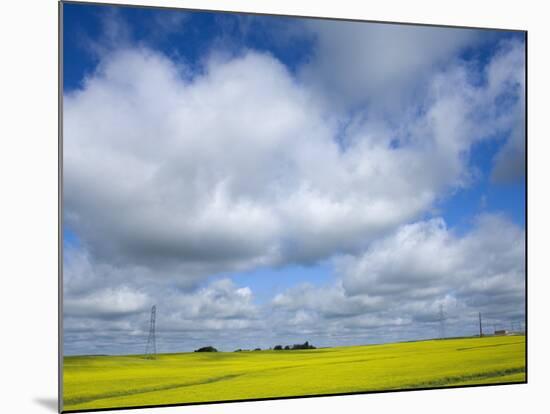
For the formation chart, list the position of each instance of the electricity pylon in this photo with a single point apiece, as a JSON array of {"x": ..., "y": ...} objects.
[{"x": 151, "y": 348}]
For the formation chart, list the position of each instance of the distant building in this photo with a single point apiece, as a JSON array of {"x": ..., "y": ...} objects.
[{"x": 502, "y": 332}]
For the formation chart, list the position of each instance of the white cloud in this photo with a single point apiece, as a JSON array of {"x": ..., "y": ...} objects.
[
  {"x": 107, "y": 302},
  {"x": 103, "y": 319},
  {"x": 403, "y": 279},
  {"x": 227, "y": 171},
  {"x": 386, "y": 64},
  {"x": 221, "y": 299},
  {"x": 415, "y": 259},
  {"x": 171, "y": 177},
  {"x": 509, "y": 68},
  {"x": 330, "y": 301},
  {"x": 425, "y": 259},
  {"x": 391, "y": 291}
]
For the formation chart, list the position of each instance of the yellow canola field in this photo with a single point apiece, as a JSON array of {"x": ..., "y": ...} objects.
[{"x": 92, "y": 382}]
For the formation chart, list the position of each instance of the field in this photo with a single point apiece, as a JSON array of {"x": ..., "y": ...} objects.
[{"x": 122, "y": 381}]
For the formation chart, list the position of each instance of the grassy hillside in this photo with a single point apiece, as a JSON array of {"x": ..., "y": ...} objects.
[{"x": 123, "y": 381}]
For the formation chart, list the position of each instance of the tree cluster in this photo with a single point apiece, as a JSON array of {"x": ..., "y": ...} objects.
[
  {"x": 206, "y": 349},
  {"x": 305, "y": 345}
]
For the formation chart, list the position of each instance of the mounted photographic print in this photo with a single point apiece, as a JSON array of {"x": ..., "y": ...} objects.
[{"x": 259, "y": 206}]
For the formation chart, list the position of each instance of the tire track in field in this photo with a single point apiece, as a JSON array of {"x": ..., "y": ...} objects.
[
  {"x": 362, "y": 360},
  {"x": 82, "y": 400},
  {"x": 488, "y": 346},
  {"x": 441, "y": 382},
  {"x": 143, "y": 390}
]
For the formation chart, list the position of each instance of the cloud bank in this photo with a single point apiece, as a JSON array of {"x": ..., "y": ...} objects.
[{"x": 173, "y": 176}]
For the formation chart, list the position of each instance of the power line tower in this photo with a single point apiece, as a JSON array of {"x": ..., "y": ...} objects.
[
  {"x": 442, "y": 317},
  {"x": 151, "y": 348},
  {"x": 480, "y": 327}
]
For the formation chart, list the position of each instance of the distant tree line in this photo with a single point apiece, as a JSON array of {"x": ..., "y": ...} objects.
[
  {"x": 206, "y": 349},
  {"x": 305, "y": 345}
]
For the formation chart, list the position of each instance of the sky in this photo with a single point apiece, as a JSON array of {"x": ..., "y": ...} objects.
[{"x": 269, "y": 180}]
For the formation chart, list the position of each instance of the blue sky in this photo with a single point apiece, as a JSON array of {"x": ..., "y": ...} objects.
[{"x": 365, "y": 140}]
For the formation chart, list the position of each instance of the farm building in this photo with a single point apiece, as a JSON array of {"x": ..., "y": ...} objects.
[{"x": 502, "y": 332}]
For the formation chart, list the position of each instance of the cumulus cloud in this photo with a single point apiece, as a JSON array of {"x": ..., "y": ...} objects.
[
  {"x": 174, "y": 175},
  {"x": 509, "y": 162},
  {"x": 170, "y": 172},
  {"x": 106, "y": 303},
  {"x": 408, "y": 263},
  {"x": 219, "y": 300},
  {"x": 330, "y": 301},
  {"x": 219, "y": 311},
  {"x": 394, "y": 290},
  {"x": 509, "y": 69},
  {"x": 390, "y": 62},
  {"x": 426, "y": 259},
  {"x": 403, "y": 279}
]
